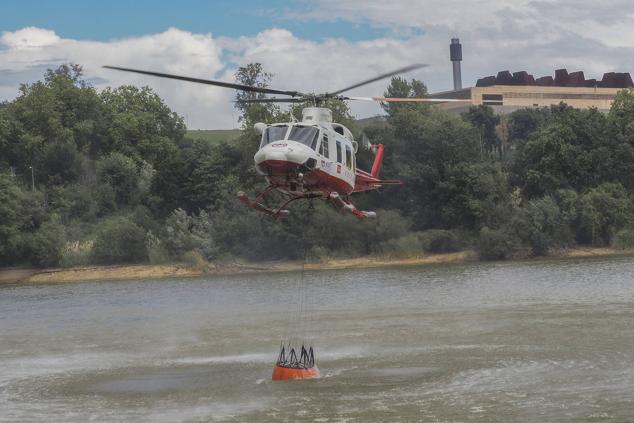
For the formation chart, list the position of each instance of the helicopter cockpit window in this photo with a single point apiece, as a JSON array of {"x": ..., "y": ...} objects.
[
  {"x": 307, "y": 135},
  {"x": 274, "y": 133}
]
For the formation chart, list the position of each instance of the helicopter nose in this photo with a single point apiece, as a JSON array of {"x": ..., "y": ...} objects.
[
  {"x": 276, "y": 157},
  {"x": 281, "y": 158}
]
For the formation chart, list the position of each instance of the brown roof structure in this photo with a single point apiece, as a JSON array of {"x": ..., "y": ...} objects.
[{"x": 562, "y": 79}]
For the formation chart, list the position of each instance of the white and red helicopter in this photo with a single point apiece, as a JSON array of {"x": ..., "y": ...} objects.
[{"x": 314, "y": 158}]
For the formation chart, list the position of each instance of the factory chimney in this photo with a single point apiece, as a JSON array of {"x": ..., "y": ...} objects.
[{"x": 455, "y": 53}]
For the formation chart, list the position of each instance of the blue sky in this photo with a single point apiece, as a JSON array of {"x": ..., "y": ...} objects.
[{"x": 108, "y": 19}]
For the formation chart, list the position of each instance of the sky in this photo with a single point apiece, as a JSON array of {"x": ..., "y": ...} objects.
[{"x": 309, "y": 46}]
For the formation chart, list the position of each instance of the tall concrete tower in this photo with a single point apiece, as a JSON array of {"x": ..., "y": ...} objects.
[{"x": 455, "y": 53}]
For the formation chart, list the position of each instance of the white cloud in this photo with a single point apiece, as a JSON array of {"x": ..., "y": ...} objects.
[
  {"x": 534, "y": 35},
  {"x": 29, "y": 37},
  {"x": 172, "y": 51}
]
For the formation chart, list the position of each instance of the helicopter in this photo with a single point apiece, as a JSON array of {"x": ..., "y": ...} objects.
[{"x": 314, "y": 157}]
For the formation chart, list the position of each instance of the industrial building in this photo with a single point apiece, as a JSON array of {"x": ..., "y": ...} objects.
[{"x": 508, "y": 91}]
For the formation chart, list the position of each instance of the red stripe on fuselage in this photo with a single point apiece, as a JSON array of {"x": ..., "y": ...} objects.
[
  {"x": 323, "y": 180},
  {"x": 277, "y": 167},
  {"x": 281, "y": 173}
]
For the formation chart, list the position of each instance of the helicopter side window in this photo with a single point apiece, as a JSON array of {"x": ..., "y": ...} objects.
[
  {"x": 273, "y": 133},
  {"x": 348, "y": 157},
  {"x": 307, "y": 135},
  {"x": 339, "y": 152},
  {"x": 323, "y": 149}
]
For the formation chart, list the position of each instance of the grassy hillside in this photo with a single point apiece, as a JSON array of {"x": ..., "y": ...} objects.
[{"x": 213, "y": 135}]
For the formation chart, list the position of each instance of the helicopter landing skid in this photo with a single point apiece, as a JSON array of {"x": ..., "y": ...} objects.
[
  {"x": 256, "y": 205},
  {"x": 347, "y": 207}
]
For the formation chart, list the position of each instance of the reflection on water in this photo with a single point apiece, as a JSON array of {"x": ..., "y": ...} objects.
[{"x": 534, "y": 341}]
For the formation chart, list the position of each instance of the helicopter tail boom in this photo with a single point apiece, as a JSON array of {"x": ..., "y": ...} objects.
[{"x": 378, "y": 160}]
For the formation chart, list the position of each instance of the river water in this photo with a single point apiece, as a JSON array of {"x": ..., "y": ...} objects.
[{"x": 530, "y": 341}]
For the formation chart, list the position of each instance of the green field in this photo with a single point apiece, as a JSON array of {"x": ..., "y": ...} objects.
[{"x": 213, "y": 135}]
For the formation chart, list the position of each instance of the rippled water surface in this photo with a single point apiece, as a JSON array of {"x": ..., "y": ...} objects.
[{"x": 535, "y": 341}]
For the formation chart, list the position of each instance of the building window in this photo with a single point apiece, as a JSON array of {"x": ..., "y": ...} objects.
[{"x": 492, "y": 99}]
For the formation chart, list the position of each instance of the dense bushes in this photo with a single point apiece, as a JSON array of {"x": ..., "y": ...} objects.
[
  {"x": 119, "y": 240},
  {"x": 496, "y": 244},
  {"x": 117, "y": 181},
  {"x": 416, "y": 244}
]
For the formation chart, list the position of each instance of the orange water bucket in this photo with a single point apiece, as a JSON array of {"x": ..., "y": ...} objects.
[{"x": 291, "y": 373}]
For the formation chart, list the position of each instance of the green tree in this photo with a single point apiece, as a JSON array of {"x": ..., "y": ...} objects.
[
  {"x": 621, "y": 113},
  {"x": 602, "y": 212},
  {"x": 139, "y": 125},
  {"x": 61, "y": 163},
  {"x": 47, "y": 243},
  {"x": 572, "y": 151},
  {"x": 524, "y": 122},
  {"x": 9, "y": 218},
  {"x": 402, "y": 88},
  {"x": 541, "y": 226},
  {"x": 120, "y": 173},
  {"x": 484, "y": 119},
  {"x": 429, "y": 151},
  {"x": 253, "y": 75}
]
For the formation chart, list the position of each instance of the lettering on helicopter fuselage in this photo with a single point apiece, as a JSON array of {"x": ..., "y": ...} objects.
[
  {"x": 283, "y": 144},
  {"x": 326, "y": 164}
]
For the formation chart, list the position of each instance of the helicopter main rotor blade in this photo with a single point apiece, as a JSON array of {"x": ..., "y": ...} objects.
[
  {"x": 408, "y": 99},
  {"x": 209, "y": 82},
  {"x": 377, "y": 78},
  {"x": 273, "y": 100}
]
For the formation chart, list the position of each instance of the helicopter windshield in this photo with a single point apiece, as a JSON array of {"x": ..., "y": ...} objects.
[
  {"x": 274, "y": 133},
  {"x": 307, "y": 135}
]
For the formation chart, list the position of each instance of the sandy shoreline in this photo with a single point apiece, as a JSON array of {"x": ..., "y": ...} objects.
[{"x": 149, "y": 271}]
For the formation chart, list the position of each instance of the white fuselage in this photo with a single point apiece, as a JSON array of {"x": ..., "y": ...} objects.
[{"x": 309, "y": 157}]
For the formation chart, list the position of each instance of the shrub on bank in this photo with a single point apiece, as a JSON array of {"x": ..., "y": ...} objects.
[
  {"x": 495, "y": 244},
  {"x": 119, "y": 240},
  {"x": 440, "y": 241},
  {"x": 434, "y": 241},
  {"x": 47, "y": 243},
  {"x": 624, "y": 238},
  {"x": 156, "y": 251},
  {"x": 318, "y": 254},
  {"x": 76, "y": 253},
  {"x": 406, "y": 246},
  {"x": 193, "y": 259}
]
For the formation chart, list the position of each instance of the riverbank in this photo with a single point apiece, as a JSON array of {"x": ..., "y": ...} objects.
[{"x": 179, "y": 270}]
